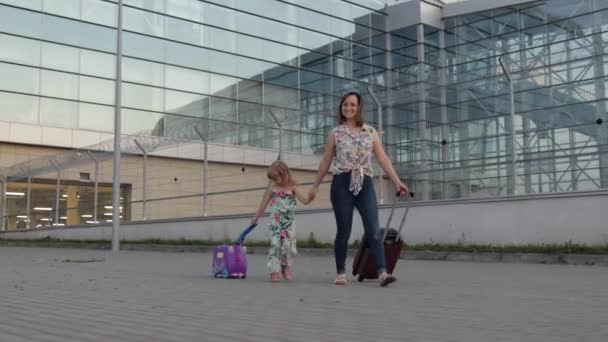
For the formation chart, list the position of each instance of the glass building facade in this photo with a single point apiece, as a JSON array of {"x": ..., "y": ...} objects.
[{"x": 228, "y": 66}]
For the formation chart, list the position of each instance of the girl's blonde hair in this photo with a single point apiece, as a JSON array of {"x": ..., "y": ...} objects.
[{"x": 280, "y": 169}]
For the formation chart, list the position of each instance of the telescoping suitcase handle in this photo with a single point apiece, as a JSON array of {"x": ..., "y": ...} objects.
[
  {"x": 241, "y": 238},
  {"x": 390, "y": 218}
]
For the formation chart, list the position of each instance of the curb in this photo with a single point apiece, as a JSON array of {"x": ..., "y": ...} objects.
[{"x": 483, "y": 257}]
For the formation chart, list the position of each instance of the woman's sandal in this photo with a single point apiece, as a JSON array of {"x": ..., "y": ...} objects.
[
  {"x": 386, "y": 279},
  {"x": 341, "y": 279}
]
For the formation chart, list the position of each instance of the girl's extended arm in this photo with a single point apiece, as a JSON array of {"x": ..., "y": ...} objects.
[{"x": 263, "y": 206}]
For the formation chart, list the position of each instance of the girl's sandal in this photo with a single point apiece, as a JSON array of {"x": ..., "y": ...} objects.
[
  {"x": 341, "y": 280},
  {"x": 275, "y": 277}
]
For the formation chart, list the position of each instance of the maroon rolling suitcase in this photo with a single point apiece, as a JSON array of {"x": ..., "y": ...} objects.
[{"x": 364, "y": 266}]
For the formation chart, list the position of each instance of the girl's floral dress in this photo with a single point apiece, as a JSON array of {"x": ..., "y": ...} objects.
[{"x": 282, "y": 231}]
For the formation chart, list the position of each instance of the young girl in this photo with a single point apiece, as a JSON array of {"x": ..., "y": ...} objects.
[{"x": 282, "y": 227}]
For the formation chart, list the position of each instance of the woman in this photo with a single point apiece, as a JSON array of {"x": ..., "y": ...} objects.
[{"x": 350, "y": 146}]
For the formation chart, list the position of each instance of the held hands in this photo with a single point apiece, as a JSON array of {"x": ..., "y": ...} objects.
[
  {"x": 312, "y": 193},
  {"x": 254, "y": 220}
]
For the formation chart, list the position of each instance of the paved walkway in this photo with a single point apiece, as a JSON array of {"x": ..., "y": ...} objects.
[{"x": 49, "y": 295}]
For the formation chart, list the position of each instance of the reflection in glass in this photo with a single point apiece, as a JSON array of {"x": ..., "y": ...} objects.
[
  {"x": 60, "y": 57},
  {"x": 19, "y": 78},
  {"x": 58, "y": 84},
  {"x": 95, "y": 117},
  {"x": 19, "y": 108},
  {"x": 97, "y": 64},
  {"x": 58, "y": 113},
  {"x": 139, "y": 71},
  {"x": 19, "y": 50},
  {"x": 143, "y": 97},
  {"x": 96, "y": 90}
]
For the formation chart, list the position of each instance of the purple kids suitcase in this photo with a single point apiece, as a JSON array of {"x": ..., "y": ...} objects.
[{"x": 230, "y": 260}]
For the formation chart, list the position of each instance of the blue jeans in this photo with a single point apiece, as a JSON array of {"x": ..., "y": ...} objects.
[{"x": 343, "y": 202}]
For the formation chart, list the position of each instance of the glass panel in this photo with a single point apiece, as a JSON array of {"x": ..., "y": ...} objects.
[
  {"x": 187, "y": 79},
  {"x": 252, "y": 69},
  {"x": 221, "y": 40},
  {"x": 184, "y": 31},
  {"x": 143, "y": 72},
  {"x": 188, "y": 9},
  {"x": 66, "y": 8},
  {"x": 279, "y": 53},
  {"x": 222, "y": 109},
  {"x": 96, "y": 90},
  {"x": 250, "y": 113},
  {"x": 280, "y": 96},
  {"x": 18, "y": 108},
  {"x": 58, "y": 113},
  {"x": 250, "y": 91},
  {"x": 78, "y": 33},
  {"x": 19, "y": 78},
  {"x": 186, "y": 55},
  {"x": 315, "y": 82},
  {"x": 222, "y": 62},
  {"x": 143, "y": 97},
  {"x": 222, "y": 132},
  {"x": 22, "y": 22},
  {"x": 141, "y": 122},
  {"x": 95, "y": 117},
  {"x": 282, "y": 75},
  {"x": 59, "y": 84},
  {"x": 19, "y": 50},
  {"x": 184, "y": 103},
  {"x": 97, "y": 64},
  {"x": 220, "y": 17},
  {"x": 152, "y": 5},
  {"x": 223, "y": 85},
  {"x": 145, "y": 47},
  {"x": 99, "y": 12},
  {"x": 144, "y": 22},
  {"x": 316, "y": 62},
  {"x": 181, "y": 127},
  {"x": 33, "y": 4},
  {"x": 60, "y": 57},
  {"x": 250, "y": 46}
]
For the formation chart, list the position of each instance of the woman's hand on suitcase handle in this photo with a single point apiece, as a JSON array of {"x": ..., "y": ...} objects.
[{"x": 402, "y": 189}]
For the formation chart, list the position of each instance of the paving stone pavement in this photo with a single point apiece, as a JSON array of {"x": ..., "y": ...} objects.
[{"x": 91, "y": 295}]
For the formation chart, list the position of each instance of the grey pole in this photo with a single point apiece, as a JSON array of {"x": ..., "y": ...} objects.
[
  {"x": 380, "y": 133},
  {"x": 57, "y": 190},
  {"x": 145, "y": 168},
  {"x": 205, "y": 167},
  {"x": 28, "y": 203},
  {"x": 3, "y": 216},
  {"x": 513, "y": 137},
  {"x": 280, "y": 134},
  {"x": 117, "y": 135},
  {"x": 274, "y": 117},
  {"x": 96, "y": 184}
]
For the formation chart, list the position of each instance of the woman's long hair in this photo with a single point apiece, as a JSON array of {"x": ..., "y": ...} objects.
[{"x": 359, "y": 116}]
